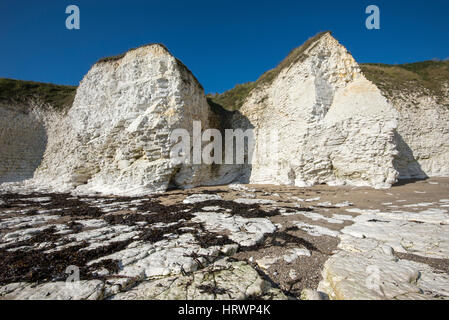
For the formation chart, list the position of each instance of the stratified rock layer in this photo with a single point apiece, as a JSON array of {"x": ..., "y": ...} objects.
[
  {"x": 22, "y": 144},
  {"x": 423, "y": 134},
  {"x": 117, "y": 134}
]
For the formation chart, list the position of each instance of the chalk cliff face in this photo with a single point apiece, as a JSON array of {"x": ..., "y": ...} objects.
[
  {"x": 422, "y": 136},
  {"x": 316, "y": 115},
  {"x": 116, "y": 137},
  {"x": 334, "y": 126}
]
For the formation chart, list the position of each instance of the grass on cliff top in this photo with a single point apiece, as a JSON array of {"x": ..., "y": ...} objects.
[
  {"x": 21, "y": 92},
  {"x": 424, "y": 76},
  {"x": 233, "y": 99}
]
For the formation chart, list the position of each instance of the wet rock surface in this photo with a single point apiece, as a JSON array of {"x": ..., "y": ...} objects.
[{"x": 236, "y": 242}]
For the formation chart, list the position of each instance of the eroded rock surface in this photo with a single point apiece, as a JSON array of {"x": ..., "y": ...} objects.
[
  {"x": 420, "y": 93},
  {"x": 195, "y": 244},
  {"x": 289, "y": 243},
  {"x": 221, "y": 281},
  {"x": 24, "y": 134},
  {"x": 392, "y": 254}
]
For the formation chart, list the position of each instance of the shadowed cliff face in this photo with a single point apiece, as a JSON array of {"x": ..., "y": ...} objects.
[
  {"x": 405, "y": 163},
  {"x": 423, "y": 136},
  {"x": 118, "y": 134},
  {"x": 23, "y": 141}
]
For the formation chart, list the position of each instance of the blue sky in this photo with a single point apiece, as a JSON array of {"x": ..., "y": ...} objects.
[{"x": 222, "y": 42}]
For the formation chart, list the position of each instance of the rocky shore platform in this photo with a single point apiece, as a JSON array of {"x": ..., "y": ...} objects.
[{"x": 229, "y": 242}]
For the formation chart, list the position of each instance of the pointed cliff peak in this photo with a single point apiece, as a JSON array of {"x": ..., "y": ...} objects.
[{"x": 296, "y": 55}]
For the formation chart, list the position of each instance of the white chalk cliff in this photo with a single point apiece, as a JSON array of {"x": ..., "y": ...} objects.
[
  {"x": 334, "y": 127},
  {"x": 422, "y": 136}
]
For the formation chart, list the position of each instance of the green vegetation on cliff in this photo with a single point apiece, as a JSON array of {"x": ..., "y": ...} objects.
[
  {"x": 233, "y": 99},
  {"x": 21, "y": 92},
  {"x": 426, "y": 76}
]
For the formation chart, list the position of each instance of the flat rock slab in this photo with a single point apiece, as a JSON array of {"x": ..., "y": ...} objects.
[
  {"x": 376, "y": 275},
  {"x": 394, "y": 254},
  {"x": 241, "y": 242},
  {"x": 195, "y": 198},
  {"x": 83, "y": 290},
  {"x": 222, "y": 281},
  {"x": 246, "y": 232}
]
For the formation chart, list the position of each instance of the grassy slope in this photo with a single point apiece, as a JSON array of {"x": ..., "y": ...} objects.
[
  {"x": 233, "y": 99},
  {"x": 426, "y": 76},
  {"x": 20, "y": 92}
]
